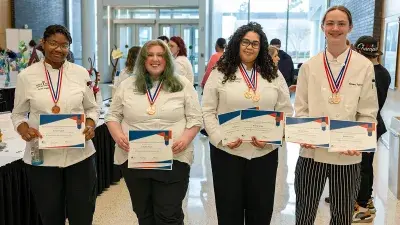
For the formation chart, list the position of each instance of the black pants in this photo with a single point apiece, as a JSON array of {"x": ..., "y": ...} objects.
[
  {"x": 157, "y": 195},
  {"x": 367, "y": 179},
  {"x": 309, "y": 183},
  {"x": 244, "y": 189},
  {"x": 65, "y": 192}
]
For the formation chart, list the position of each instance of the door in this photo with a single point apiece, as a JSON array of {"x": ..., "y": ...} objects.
[
  {"x": 190, "y": 34},
  {"x": 129, "y": 35}
]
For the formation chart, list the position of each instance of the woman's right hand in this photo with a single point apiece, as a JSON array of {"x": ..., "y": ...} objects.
[
  {"x": 234, "y": 144},
  {"x": 28, "y": 133},
  {"x": 122, "y": 142},
  {"x": 308, "y": 146}
]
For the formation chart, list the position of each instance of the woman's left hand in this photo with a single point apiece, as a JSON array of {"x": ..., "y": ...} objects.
[
  {"x": 258, "y": 144},
  {"x": 88, "y": 132},
  {"x": 351, "y": 153},
  {"x": 180, "y": 145}
]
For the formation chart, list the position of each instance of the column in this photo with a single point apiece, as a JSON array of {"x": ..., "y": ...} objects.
[{"x": 88, "y": 31}]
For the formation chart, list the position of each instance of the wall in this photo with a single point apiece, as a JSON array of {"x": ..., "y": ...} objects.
[
  {"x": 38, "y": 14},
  {"x": 5, "y": 20},
  {"x": 391, "y": 12},
  {"x": 363, "y": 22}
]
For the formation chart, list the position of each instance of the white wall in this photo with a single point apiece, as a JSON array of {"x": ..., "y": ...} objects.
[{"x": 151, "y": 3}]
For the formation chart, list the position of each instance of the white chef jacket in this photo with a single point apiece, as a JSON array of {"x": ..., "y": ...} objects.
[
  {"x": 122, "y": 76},
  {"x": 359, "y": 100},
  {"x": 32, "y": 95},
  {"x": 174, "y": 111},
  {"x": 184, "y": 68},
  {"x": 221, "y": 98}
]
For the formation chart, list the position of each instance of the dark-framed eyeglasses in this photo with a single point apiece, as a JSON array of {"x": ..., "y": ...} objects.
[
  {"x": 246, "y": 42},
  {"x": 54, "y": 44}
]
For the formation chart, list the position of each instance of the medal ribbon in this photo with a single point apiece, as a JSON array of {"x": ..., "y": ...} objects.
[
  {"x": 335, "y": 85},
  {"x": 251, "y": 80},
  {"x": 55, "y": 94},
  {"x": 153, "y": 98}
]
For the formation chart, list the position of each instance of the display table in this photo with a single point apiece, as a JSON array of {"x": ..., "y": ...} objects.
[{"x": 7, "y": 99}]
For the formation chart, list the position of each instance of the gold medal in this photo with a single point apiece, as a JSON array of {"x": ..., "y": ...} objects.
[
  {"x": 256, "y": 97},
  {"x": 335, "y": 99},
  {"x": 151, "y": 110},
  {"x": 248, "y": 94}
]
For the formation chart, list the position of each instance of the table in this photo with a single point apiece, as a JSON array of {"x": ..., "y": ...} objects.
[
  {"x": 17, "y": 206},
  {"x": 7, "y": 99}
]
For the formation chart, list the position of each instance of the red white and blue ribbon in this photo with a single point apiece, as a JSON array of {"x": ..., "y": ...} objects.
[
  {"x": 251, "y": 80},
  {"x": 55, "y": 94},
  {"x": 336, "y": 84},
  {"x": 153, "y": 98}
]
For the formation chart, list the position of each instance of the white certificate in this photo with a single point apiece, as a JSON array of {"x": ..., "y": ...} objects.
[
  {"x": 230, "y": 126},
  {"x": 264, "y": 125},
  {"x": 62, "y": 131},
  {"x": 150, "y": 149},
  {"x": 313, "y": 131},
  {"x": 351, "y": 135}
]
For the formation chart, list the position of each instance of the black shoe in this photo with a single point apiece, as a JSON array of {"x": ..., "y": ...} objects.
[
  {"x": 204, "y": 132},
  {"x": 327, "y": 200}
]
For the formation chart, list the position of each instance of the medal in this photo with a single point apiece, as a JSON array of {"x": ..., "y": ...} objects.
[
  {"x": 151, "y": 110},
  {"x": 256, "y": 97},
  {"x": 248, "y": 94},
  {"x": 152, "y": 99},
  {"x": 251, "y": 82},
  {"x": 335, "y": 85},
  {"x": 55, "y": 94}
]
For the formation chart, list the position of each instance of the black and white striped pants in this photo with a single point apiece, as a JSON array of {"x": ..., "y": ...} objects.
[{"x": 310, "y": 179}]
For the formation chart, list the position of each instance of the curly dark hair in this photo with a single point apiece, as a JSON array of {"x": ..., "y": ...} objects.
[
  {"x": 230, "y": 60},
  {"x": 54, "y": 29}
]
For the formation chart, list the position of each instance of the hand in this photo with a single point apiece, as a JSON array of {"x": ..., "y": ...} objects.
[
  {"x": 180, "y": 145},
  {"x": 88, "y": 132},
  {"x": 308, "y": 146},
  {"x": 351, "y": 153},
  {"x": 258, "y": 144},
  {"x": 292, "y": 88},
  {"x": 122, "y": 142},
  {"x": 30, "y": 134},
  {"x": 234, "y": 144}
]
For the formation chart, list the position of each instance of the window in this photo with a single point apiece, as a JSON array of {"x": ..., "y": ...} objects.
[
  {"x": 135, "y": 13},
  {"x": 179, "y": 13}
]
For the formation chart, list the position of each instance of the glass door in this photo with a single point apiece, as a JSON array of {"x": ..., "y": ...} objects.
[
  {"x": 129, "y": 35},
  {"x": 170, "y": 30},
  {"x": 190, "y": 34}
]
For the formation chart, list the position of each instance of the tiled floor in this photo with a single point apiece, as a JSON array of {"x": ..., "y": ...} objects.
[{"x": 114, "y": 207}]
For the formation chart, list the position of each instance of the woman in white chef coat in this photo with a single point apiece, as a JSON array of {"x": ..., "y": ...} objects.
[
  {"x": 339, "y": 83},
  {"x": 156, "y": 99},
  {"x": 183, "y": 67},
  {"x": 64, "y": 185},
  {"x": 244, "y": 172}
]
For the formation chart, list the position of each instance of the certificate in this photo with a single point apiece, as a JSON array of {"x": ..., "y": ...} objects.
[
  {"x": 264, "y": 125},
  {"x": 150, "y": 149},
  {"x": 231, "y": 126},
  {"x": 62, "y": 131},
  {"x": 351, "y": 135},
  {"x": 314, "y": 131}
]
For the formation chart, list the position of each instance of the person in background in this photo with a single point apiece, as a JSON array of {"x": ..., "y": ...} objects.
[
  {"x": 36, "y": 55},
  {"x": 285, "y": 64},
  {"x": 273, "y": 52},
  {"x": 244, "y": 172},
  {"x": 183, "y": 66},
  {"x": 70, "y": 56},
  {"x": 220, "y": 45},
  {"x": 64, "y": 185},
  {"x": 325, "y": 88},
  {"x": 164, "y": 38},
  {"x": 129, "y": 65},
  {"x": 156, "y": 195}
]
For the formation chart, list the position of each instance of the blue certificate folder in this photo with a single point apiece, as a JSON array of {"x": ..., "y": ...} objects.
[
  {"x": 135, "y": 135},
  {"x": 58, "y": 130}
]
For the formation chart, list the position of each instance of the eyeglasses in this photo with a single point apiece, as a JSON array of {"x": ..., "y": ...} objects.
[
  {"x": 247, "y": 42},
  {"x": 54, "y": 44}
]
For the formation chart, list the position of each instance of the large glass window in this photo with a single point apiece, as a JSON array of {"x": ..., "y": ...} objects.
[
  {"x": 295, "y": 22},
  {"x": 179, "y": 13},
  {"x": 75, "y": 28},
  {"x": 135, "y": 14}
]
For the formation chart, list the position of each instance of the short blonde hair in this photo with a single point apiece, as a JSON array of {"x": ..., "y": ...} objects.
[{"x": 272, "y": 49}]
